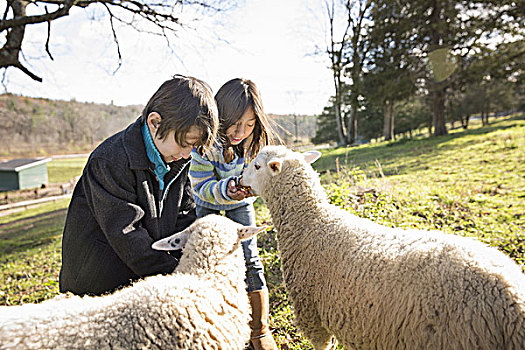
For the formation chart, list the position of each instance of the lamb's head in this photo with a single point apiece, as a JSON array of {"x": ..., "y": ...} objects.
[
  {"x": 277, "y": 164},
  {"x": 207, "y": 242}
]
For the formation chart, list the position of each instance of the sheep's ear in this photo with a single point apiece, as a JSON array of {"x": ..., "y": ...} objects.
[
  {"x": 247, "y": 232},
  {"x": 275, "y": 165},
  {"x": 173, "y": 242},
  {"x": 311, "y": 156}
]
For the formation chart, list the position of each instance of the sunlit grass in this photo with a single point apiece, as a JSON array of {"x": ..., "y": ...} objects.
[
  {"x": 469, "y": 183},
  {"x": 64, "y": 170},
  {"x": 30, "y": 253}
]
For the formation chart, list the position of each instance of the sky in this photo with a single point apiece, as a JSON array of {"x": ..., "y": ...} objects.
[{"x": 271, "y": 42}]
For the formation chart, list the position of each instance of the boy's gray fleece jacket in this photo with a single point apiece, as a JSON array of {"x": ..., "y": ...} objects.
[{"x": 115, "y": 215}]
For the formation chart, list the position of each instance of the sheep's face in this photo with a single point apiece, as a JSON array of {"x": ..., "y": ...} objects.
[
  {"x": 212, "y": 236},
  {"x": 269, "y": 163}
]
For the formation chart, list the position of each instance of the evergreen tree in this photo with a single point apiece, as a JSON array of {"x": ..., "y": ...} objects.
[
  {"x": 326, "y": 125},
  {"x": 443, "y": 38}
]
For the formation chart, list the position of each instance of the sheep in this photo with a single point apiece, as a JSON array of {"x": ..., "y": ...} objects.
[
  {"x": 202, "y": 305},
  {"x": 375, "y": 287}
]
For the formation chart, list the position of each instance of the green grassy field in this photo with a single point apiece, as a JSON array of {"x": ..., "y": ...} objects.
[
  {"x": 63, "y": 170},
  {"x": 469, "y": 183}
]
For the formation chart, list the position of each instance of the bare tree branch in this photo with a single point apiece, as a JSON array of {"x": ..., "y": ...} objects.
[
  {"x": 114, "y": 38},
  {"x": 335, "y": 52},
  {"x": 25, "y": 20},
  {"x": 13, "y": 46},
  {"x": 3, "y": 80},
  {"x": 28, "y": 72},
  {"x": 7, "y": 9},
  {"x": 47, "y": 39},
  {"x": 161, "y": 15}
]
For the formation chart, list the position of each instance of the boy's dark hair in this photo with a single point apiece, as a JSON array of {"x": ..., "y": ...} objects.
[
  {"x": 233, "y": 98},
  {"x": 183, "y": 102}
]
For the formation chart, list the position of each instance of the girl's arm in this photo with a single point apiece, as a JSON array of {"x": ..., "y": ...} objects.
[{"x": 206, "y": 185}]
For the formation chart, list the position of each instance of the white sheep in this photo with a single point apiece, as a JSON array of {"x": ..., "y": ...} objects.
[
  {"x": 202, "y": 305},
  {"x": 375, "y": 287}
]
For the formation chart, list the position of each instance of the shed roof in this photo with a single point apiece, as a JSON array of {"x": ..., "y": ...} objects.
[{"x": 23, "y": 163}]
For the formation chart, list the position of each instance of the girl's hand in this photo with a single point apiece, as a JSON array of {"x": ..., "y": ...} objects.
[{"x": 233, "y": 192}]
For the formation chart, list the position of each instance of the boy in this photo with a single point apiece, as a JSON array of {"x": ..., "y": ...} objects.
[{"x": 135, "y": 190}]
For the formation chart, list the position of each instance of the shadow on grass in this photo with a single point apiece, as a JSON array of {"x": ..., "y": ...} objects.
[{"x": 21, "y": 235}]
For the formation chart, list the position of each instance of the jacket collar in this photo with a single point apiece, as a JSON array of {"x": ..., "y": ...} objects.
[
  {"x": 135, "y": 148},
  {"x": 154, "y": 156}
]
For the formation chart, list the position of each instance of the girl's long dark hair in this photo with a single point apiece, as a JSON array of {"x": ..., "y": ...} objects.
[{"x": 233, "y": 99}]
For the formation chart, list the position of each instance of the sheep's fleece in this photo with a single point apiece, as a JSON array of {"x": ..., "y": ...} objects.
[
  {"x": 376, "y": 287},
  {"x": 202, "y": 305}
]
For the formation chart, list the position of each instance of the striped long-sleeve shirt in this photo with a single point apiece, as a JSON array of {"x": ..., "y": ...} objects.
[{"x": 210, "y": 174}]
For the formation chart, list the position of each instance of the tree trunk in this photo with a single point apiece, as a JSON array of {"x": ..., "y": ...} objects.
[
  {"x": 484, "y": 118},
  {"x": 388, "y": 128},
  {"x": 338, "y": 104},
  {"x": 338, "y": 120},
  {"x": 351, "y": 135},
  {"x": 438, "y": 106},
  {"x": 464, "y": 121}
]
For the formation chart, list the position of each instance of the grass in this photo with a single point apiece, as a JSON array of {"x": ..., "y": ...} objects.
[
  {"x": 469, "y": 183},
  {"x": 30, "y": 253},
  {"x": 63, "y": 170}
]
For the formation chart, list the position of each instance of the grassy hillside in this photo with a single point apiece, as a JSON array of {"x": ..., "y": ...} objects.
[{"x": 468, "y": 183}]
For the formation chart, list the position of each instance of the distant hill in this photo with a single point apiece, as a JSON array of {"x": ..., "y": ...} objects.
[
  {"x": 33, "y": 126},
  {"x": 38, "y": 126}
]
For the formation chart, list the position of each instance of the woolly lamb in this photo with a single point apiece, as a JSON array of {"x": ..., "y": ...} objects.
[
  {"x": 202, "y": 305},
  {"x": 376, "y": 287}
]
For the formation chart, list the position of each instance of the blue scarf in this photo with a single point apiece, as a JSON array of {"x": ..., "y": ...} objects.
[{"x": 154, "y": 156}]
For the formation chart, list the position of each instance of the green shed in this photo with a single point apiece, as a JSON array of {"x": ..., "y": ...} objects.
[{"x": 18, "y": 174}]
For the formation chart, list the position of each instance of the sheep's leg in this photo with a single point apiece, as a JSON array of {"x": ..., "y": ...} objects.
[{"x": 320, "y": 338}]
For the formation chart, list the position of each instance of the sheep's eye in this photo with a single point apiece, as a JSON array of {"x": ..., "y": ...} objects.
[{"x": 257, "y": 166}]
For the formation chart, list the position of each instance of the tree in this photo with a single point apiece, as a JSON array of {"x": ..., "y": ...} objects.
[
  {"x": 347, "y": 55},
  {"x": 338, "y": 61},
  {"x": 359, "y": 19},
  {"x": 491, "y": 84},
  {"x": 388, "y": 78},
  {"x": 444, "y": 36},
  {"x": 370, "y": 120},
  {"x": 326, "y": 125},
  {"x": 412, "y": 113},
  {"x": 161, "y": 18}
]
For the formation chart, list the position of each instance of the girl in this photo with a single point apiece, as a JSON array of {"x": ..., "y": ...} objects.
[{"x": 244, "y": 130}]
